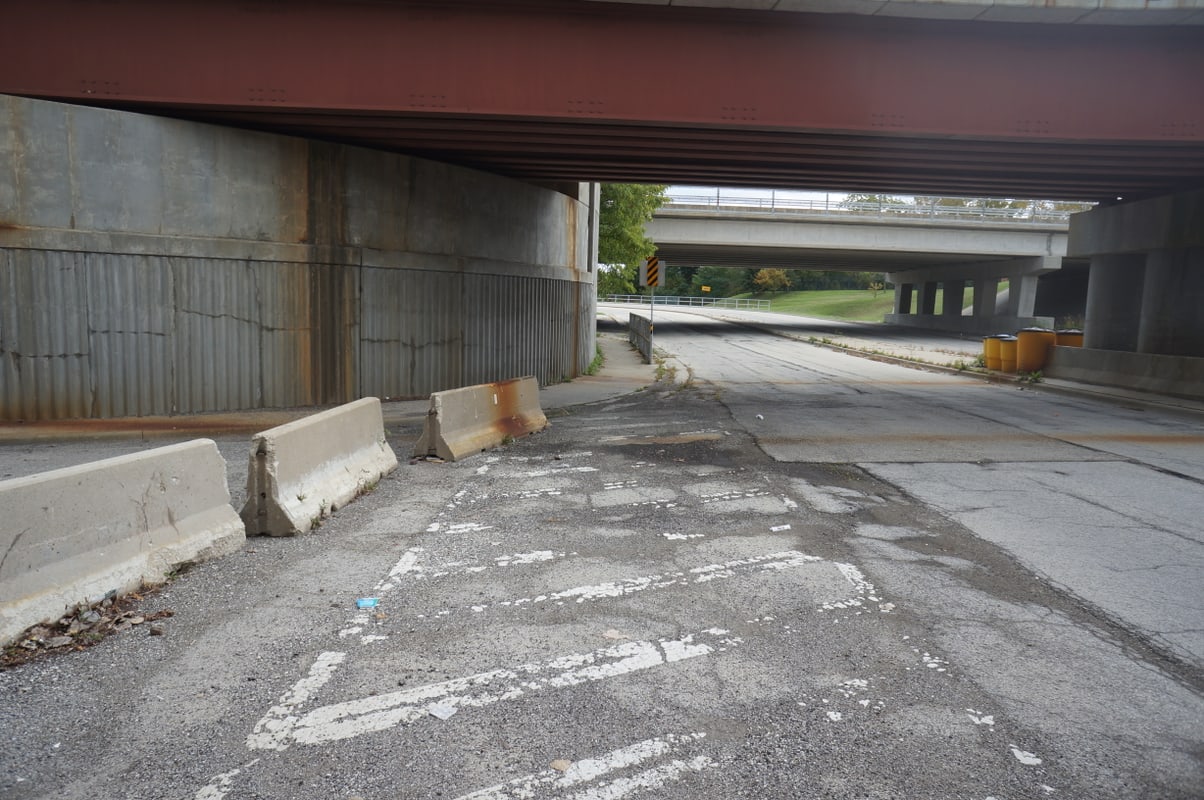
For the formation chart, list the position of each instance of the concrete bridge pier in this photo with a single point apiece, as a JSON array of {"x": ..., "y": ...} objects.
[
  {"x": 1022, "y": 275},
  {"x": 1145, "y": 296}
]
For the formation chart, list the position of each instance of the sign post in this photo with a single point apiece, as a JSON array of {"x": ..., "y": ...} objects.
[{"x": 650, "y": 276}]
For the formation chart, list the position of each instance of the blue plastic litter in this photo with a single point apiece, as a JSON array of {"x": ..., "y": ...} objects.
[{"x": 367, "y": 602}]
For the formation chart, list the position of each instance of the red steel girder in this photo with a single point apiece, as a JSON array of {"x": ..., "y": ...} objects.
[{"x": 582, "y": 69}]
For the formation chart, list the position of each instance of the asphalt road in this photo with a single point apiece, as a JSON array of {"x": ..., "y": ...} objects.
[{"x": 782, "y": 572}]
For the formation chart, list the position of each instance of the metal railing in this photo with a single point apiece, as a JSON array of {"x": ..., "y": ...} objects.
[
  {"x": 639, "y": 333},
  {"x": 1031, "y": 212},
  {"x": 675, "y": 300}
]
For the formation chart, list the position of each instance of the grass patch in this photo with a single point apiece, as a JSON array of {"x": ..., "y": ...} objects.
[
  {"x": 597, "y": 363},
  {"x": 853, "y": 305},
  {"x": 848, "y": 305}
]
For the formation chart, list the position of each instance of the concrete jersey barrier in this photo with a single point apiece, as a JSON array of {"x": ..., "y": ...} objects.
[
  {"x": 72, "y": 536},
  {"x": 305, "y": 470},
  {"x": 464, "y": 421}
]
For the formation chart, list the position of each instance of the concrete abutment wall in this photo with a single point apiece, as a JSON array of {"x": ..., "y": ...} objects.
[
  {"x": 155, "y": 266},
  {"x": 1145, "y": 296}
]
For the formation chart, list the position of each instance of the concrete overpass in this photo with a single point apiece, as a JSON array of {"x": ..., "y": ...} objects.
[
  {"x": 153, "y": 265},
  {"x": 917, "y": 247}
]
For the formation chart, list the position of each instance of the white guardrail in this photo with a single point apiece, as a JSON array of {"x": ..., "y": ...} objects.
[
  {"x": 675, "y": 300},
  {"x": 1030, "y": 212}
]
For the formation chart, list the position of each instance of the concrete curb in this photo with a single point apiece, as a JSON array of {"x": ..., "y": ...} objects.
[
  {"x": 303, "y": 471},
  {"x": 473, "y": 418},
  {"x": 72, "y": 536}
]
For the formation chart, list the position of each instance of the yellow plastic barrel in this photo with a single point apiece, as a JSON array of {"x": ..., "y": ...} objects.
[
  {"x": 1070, "y": 337},
  {"x": 990, "y": 352},
  {"x": 1007, "y": 353},
  {"x": 1032, "y": 345}
]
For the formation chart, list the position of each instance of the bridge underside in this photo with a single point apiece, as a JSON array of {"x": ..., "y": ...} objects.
[
  {"x": 567, "y": 91},
  {"x": 754, "y": 257}
]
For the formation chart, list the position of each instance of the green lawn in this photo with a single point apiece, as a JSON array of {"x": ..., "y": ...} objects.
[
  {"x": 856, "y": 305},
  {"x": 853, "y": 305}
]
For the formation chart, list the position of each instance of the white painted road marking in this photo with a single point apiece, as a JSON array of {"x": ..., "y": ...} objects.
[
  {"x": 220, "y": 785},
  {"x": 272, "y": 732},
  {"x": 627, "y": 586},
  {"x": 864, "y": 591},
  {"x": 408, "y": 563},
  {"x": 382, "y": 712},
  {"x": 591, "y": 769}
]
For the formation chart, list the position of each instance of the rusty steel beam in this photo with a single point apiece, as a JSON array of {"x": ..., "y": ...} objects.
[{"x": 534, "y": 89}]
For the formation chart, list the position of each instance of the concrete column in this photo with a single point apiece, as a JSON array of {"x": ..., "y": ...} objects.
[
  {"x": 927, "y": 304},
  {"x": 903, "y": 292},
  {"x": 955, "y": 298},
  {"x": 1172, "y": 303},
  {"x": 1114, "y": 289},
  {"x": 1022, "y": 295},
  {"x": 984, "y": 296}
]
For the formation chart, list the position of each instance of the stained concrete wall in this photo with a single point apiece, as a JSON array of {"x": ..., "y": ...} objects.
[{"x": 154, "y": 266}]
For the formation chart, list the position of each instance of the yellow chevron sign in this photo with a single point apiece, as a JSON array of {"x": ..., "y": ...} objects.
[{"x": 650, "y": 272}]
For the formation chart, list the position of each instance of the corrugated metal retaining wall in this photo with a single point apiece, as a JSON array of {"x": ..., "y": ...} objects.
[{"x": 127, "y": 335}]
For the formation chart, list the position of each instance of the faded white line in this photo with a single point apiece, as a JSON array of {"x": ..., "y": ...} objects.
[
  {"x": 382, "y": 712},
  {"x": 585, "y": 771},
  {"x": 648, "y": 779},
  {"x": 406, "y": 565},
  {"x": 865, "y": 591},
  {"x": 508, "y": 560},
  {"x": 273, "y": 731},
  {"x": 360, "y": 623},
  {"x": 543, "y": 473},
  {"x": 733, "y": 495},
  {"x": 220, "y": 785},
  {"x": 704, "y": 574}
]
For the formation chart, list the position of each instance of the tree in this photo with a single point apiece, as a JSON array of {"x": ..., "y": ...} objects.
[
  {"x": 622, "y": 244},
  {"x": 724, "y": 281},
  {"x": 771, "y": 280},
  {"x": 876, "y": 202}
]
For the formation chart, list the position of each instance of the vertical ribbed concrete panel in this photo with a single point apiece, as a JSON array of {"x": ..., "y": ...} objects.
[
  {"x": 381, "y": 366},
  {"x": 44, "y": 336},
  {"x": 216, "y": 345},
  {"x": 411, "y": 339},
  {"x": 282, "y": 294},
  {"x": 131, "y": 333}
]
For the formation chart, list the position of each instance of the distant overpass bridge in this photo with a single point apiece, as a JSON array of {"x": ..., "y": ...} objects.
[
  {"x": 152, "y": 265},
  {"x": 918, "y": 247}
]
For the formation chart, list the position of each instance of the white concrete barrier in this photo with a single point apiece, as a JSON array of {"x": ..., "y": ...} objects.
[
  {"x": 464, "y": 421},
  {"x": 305, "y": 470},
  {"x": 70, "y": 536}
]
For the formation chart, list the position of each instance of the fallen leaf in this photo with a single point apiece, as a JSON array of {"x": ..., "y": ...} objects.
[{"x": 561, "y": 764}]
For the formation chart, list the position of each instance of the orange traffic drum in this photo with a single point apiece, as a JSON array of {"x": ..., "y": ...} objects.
[
  {"x": 1007, "y": 353},
  {"x": 990, "y": 352},
  {"x": 1032, "y": 346},
  {"x": 1070, "y": 337}
]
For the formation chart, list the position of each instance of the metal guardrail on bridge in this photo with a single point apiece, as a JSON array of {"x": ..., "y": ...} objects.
[
  {"x": 674, "y": 300},
  {"x": 1032, "y": 212}
]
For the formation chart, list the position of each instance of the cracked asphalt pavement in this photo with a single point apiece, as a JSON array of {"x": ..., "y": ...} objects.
[{"x": 781, "y": 572}]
